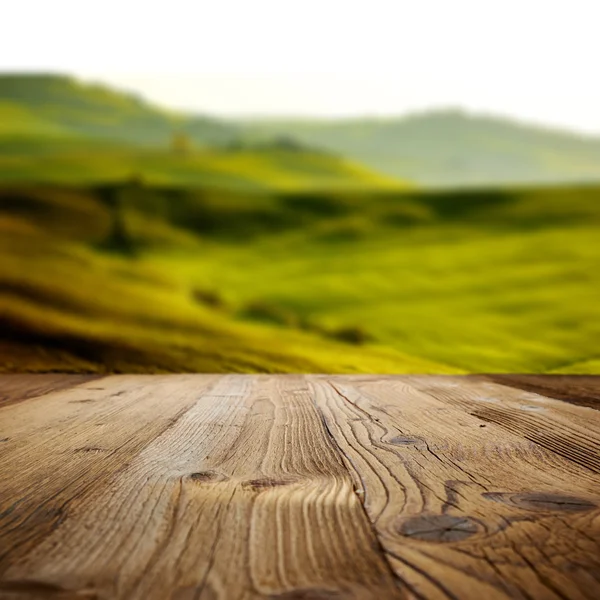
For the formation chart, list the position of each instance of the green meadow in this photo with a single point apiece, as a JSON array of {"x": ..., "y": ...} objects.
[
  {"x": 135, "y": 240},
  {"x": 133, "y": 277}
]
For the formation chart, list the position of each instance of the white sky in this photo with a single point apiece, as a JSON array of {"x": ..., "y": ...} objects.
[{"x": 536, "y": 60}]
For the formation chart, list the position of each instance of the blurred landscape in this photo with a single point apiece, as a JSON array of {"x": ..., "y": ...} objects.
[{"x": 138, "y": 239}]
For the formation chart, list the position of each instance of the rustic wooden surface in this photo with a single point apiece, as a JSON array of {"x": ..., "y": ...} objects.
[{"x": 299, "y": 487}]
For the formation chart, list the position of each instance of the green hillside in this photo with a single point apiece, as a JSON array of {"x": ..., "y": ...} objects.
[
  {"x": 133, "y": 239},
  {"x": 160, "y": 278},
  {"x": 54, "y": 129},
  {"x": 79, "y": 163},
  {"x": 47, "y": 113},
  {"x": 449, "y": 148},
  {"x": 59, "y": 105}
]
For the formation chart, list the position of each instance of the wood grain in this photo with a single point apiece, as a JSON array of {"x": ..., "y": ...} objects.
[
  {"x": 296, "y": 487},
  {"x": 570, "y": 431},
  {"x": 241, "y": 496},
  {"x": 16, "y": 387},
  {"x": 66, "y": 445},
  {"x": 582, "y": 390},
  {"x": 464, "y": 510}
]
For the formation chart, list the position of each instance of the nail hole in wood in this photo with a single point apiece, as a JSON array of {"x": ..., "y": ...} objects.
[
  {"x": 264, "y": 483},
  {"x": 208, "y": 477},
  {"x": 308, "y": 594},
  {"x": 92, "y": 449},
  {"x": 401, "y": 440},
  {"x": 39, "y": 589}
]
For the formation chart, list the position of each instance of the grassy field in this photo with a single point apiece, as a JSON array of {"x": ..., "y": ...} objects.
[
  {"x": 168, "y": 278},
  {"x": 80, "y": 162},
  {"x": 137, "y": 239}
]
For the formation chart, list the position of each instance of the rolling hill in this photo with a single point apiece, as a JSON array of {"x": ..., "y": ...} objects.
[
  {"x": 134, "y": 239},
  {"x": 54, "y": 129},
  {"x": 449, "y": 148},
  {"x": 57, "y": 114},
  {"x": 61, "y": 106},
  {"x": 159, "y": 278}
]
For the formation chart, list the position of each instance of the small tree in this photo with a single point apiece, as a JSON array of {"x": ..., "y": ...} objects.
[
  {"x": 285, "y": 142},
  {"x": 181, "y": 143},
  {"x": 118, "y": 239}
]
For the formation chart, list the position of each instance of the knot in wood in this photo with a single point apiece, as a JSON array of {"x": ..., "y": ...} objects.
[
  {"x": 438, "y": 528},
  {"x": 541, "y": 501}
]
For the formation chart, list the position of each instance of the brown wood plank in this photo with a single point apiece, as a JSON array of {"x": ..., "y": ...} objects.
[
  {"x": 466, "y": 508},
  {"x": 70, "y": 443},
  {"x": 583, "y": 390},
  {"x": 572, "y": 432},
  {"x": 241, "y": 496},
  {"x": 17, "y": 387}
]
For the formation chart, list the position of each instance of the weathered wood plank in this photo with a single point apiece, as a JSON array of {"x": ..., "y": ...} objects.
[
  {"x": 465, "y": 508},
  {"x": 17, "y": 387},
  {"x": 242, "y": 496},
  {"x": 582, "y": 390},
  {"x": 572, "y": 432},
  {"x": 70, "y": 443}
]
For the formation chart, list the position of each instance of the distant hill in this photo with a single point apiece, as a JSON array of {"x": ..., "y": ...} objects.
[
  {"x": 42, "y": 113},
  {"x": 55, "y": 129},
  {"x": 58, "y": 105},
  {"x": 449, "y": 148}
]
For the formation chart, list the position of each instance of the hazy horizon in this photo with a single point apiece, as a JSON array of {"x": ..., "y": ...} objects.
[
  {"x": 221, "y": 94},
  {"x": 119, "y": 85},
  {"x": 331, "y": 60}
]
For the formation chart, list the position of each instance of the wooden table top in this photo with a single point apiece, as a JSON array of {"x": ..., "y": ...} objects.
[{"x": 297, "y": 487}]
